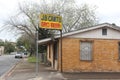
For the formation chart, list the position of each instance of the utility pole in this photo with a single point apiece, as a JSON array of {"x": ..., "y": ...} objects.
[
  {"x": 37, "y": 62},
  {"x": 61, "y": 51}
]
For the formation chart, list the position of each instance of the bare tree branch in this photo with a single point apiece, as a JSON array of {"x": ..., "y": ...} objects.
[{"x": 73, "y": 17}]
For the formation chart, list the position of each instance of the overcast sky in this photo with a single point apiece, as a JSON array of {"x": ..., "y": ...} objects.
[{"x": 107, "y": 11}]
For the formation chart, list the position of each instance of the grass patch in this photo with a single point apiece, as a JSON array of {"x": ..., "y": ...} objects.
[{"x": 32, "y": 59}]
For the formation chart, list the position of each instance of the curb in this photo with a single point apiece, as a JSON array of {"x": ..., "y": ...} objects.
[{"x": 8, "y": 73}]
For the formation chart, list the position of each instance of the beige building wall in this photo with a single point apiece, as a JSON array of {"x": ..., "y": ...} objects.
[
  {"x": 50, "y": 54},
  {"x": 50, "y": 57},
  {"x": 105, "y": 56}
]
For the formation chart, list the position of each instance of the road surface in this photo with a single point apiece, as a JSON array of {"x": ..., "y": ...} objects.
[{"x": 6, "y": 62}]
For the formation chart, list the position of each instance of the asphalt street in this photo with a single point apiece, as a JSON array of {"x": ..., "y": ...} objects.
[{"x": 6, "y": 62}]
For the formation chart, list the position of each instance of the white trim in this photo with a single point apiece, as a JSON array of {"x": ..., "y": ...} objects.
[
  {"x": 90, "y": 28},
  {"x": 44, "y": 41},
  {"x": 97, "y": 34}
]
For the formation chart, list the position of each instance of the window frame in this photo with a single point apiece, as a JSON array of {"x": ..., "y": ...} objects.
[
  {"x": 119, "y": 51},
  {"x": 104, "y": 31}
]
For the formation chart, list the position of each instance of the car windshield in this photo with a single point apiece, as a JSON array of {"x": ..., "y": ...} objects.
[{"x": 19, "y": 53}]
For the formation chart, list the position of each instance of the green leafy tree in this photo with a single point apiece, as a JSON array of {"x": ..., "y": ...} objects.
[
  {"x": 24, "y": 40},
  {"x": 1, "y": 43},
  {"x": 9, "y": 47}
]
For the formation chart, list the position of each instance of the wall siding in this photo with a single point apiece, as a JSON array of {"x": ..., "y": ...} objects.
[
  {"x": 97, "y": 33},
  {"x": 105, "y": 56},
  {"x": 50, "y": 53}
]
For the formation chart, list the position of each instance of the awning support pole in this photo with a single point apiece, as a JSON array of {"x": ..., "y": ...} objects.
[{"x": 61, "y": 70}]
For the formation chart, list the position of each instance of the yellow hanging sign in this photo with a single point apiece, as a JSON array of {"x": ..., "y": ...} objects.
[{"x": 49, "y": 21}]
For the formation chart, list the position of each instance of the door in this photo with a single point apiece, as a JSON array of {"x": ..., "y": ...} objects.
[{"x": 55, "y": 55}]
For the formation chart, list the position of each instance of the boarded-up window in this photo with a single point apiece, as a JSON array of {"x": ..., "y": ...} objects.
[{"x": 85, "y": 50}]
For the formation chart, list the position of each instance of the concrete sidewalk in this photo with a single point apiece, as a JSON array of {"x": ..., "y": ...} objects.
[
  {"x": 26, "y": 71},
  {"x": 22, "y": 71}
]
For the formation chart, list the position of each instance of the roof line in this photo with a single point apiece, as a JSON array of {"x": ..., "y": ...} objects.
[{"x": 81, "y": 30}]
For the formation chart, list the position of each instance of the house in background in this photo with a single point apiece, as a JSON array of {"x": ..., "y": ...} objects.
[
  {"x": 1, "y": 47},
  {"x": 1, "y": 50},
  {"x": 92, "y": 49}
]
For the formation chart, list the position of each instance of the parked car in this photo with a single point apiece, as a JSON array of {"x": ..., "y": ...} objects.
[
  {"x": 25, "y": 55},
  {"x": 21, "y": 55},
  {"x": 18, "y": 55}
]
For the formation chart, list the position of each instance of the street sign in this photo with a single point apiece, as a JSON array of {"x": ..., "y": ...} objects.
[{"x": 49, "y": 21}]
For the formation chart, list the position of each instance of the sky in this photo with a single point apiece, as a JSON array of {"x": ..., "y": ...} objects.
[{"x": 106, "y": 11}]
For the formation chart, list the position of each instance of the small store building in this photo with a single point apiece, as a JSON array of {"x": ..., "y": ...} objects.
[{"x": 91, "y": 49}]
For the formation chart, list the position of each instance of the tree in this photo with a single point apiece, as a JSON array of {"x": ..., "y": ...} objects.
[
  {"x": 74, "y": 17},
  {"x": 9, "y": 47},
  {"x": 24, "y": 40},
  {"x": 1, "y": 42},
  {"x": 26, "y": 21}
]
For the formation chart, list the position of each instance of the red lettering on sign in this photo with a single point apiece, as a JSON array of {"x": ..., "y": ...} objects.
[
  {"x": 51, "y": 25},
  {"x": 55, "y": 25},
  {"x": 45, "y": 24}
]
